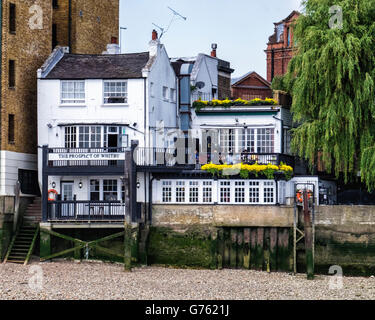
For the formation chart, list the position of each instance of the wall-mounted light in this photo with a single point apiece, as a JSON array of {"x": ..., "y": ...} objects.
[
  {"x": 53, "y": 184},
  {"x": 80, "y": 184},
  {"x": 138, "y": 184}
]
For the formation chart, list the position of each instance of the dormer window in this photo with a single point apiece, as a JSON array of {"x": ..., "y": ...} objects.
[{"x": 115, "y": 91}]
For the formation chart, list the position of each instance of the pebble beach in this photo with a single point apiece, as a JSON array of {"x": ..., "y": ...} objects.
[{"x": 73, "y": 280}]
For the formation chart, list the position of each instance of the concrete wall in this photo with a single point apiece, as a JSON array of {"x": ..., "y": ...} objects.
[{"x": 176, "y": 216}]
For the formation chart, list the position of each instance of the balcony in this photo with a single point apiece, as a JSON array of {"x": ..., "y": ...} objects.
[
  {"x": 167, "y": 159},
  {"x": 81, "y": 211},
  {"x": 71, "y": 161}
]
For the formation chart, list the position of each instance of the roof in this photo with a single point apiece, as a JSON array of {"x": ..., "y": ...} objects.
[
  {"x": 294, "y": 12},
  {"x": 104, "y": 66},
  {"x": 235, "y": 81}
]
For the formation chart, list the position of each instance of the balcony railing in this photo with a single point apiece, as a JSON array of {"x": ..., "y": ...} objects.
[
  {"x": 83, "y": 157},
  {"x": 85, "y": 211},
  {"x": 168, "y": 157}
]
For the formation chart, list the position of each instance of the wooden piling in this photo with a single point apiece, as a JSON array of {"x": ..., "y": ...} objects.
[
  {"x": 220, "y": 248},
  {"x": 259, "y": 249},
  {"x": 240, "y": 246},
  {"x": 308, "y": 237},
  {"x": 273, "y": 249},
  {"x": 227, "y": 246},
  {"x": 253, "y": 246},
  {"x": 128, "y": 247},
  {"x": 246, "y": 248},
  {"x": 266, "y": 250},
  {"x": 45, "y": 242},
  {"x": 233, "y": 249}
]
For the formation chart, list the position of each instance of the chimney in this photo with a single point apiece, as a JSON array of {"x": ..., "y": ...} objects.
[
  {"x": 154, "y": 35},
  {"x": 213, "y": 52},
  {"x": 112, "y": 48}
]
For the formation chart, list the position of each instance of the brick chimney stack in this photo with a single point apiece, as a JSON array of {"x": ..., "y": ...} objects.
[
  {"x": 154, "y": 35},
  {"x": 213, "y": 52}
]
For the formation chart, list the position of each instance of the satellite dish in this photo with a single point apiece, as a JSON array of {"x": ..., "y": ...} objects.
[{"x": 200, "y": 85}]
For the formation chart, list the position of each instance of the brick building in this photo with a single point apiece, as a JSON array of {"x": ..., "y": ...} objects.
[
  {"x": 251, "y": 86},
  {"x": 29, "y": 29},
  {"x": 280, "y": 47}
]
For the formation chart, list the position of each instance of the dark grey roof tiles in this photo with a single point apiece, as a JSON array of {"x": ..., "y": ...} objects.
[{"x": 108, "y": 66}]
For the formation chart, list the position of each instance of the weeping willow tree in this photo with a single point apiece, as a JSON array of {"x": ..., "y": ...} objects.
[{"x": 331, "y": 78}]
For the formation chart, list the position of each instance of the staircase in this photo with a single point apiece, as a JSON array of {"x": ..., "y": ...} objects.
[
  {"x": 23, "y": 242},
  {"x": 33, "y": 214}
]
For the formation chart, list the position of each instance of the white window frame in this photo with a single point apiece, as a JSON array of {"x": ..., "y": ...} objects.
[
  {"x": 165, "y": 93},
  {"x": 72, "y": 101},
  {"x": 245, "y": 186},
  {"x": 172, "y": 95},
  {"x": 123, "y": 96}
]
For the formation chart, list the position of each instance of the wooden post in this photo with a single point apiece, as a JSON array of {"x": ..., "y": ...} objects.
[
  {"x": 266, "y": 250},
  {"x": 127, "y": 247},
  {"x": 259, "y": 249},
  {"x": 240, "y": 256},
  {"x": 45, "y": 241},
  {"x": 246, "y": 248},
  {"x": 227, "y": 246},
  {"x": 233, "y": 249},
  {"x": 253, "y": 245},
  {"x": 273, "y": 249},
  {"x": 220, "y": 245},
  {"x": 308, "y": 237}
]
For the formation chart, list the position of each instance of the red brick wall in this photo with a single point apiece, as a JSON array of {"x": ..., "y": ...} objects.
[{"x": 258, "y": 89}]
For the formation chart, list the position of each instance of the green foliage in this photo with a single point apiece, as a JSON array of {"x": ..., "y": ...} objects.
[
  {"x": 331, "y": 80},
  {"x": 278, "y": 83}
]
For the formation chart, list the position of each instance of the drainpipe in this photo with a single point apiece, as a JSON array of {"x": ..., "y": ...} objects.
[
  {"x": 272, "y": 64},
  {"x": 70, "y": 27},
  {"x": 281, "y": 135}
]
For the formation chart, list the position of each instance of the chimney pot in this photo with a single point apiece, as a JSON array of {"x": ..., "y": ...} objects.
[
  {"x": 213, "y": 52},
  {"x": 154, "y": 35},
  {"x": 114, "y": 40}
]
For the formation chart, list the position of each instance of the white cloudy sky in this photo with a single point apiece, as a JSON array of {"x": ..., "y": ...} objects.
[{"x": 240, "y": 28}]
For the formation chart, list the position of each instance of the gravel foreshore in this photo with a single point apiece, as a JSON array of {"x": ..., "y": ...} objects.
[{"x": 66, "y": 280}]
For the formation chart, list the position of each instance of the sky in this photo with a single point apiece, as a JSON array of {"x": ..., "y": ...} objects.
[{"x": 240, "y": 28}]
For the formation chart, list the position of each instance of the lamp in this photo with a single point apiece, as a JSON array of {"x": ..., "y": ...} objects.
[
  {"x": 138, "y": 184},
  {"x": 80, "y": 184},
  {"x": 53, "y": 184}
]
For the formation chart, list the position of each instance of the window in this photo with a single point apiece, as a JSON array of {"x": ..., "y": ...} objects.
[
  {"x": 172, "y": 94},
  {"x": 72, "y": 92},
  {"x": 94, "y": 190},
  {"x": 265, "y": 140},
  {"x": 165, "y": 93},
  {"x": 253, "y": 192},
  {"x": 167, "y": 191},
  {"x": 12, "y": 18},
  {"x": 269, "y": 192},
  {"x": 29, "y": 181},
  {"x": 70, "y": 137},
  {"x": 152, "y": 93},
  {"x": 288, "y": 32},
  {"x": 194, "y": 192},
  {"x": 227, "y": 140},
  {"x": 225, "y": 191},
  {"x": 279, "y": 32},
  {"x": 11, "y": 135},
  {"x": 54, "y": 36},
  {"x": 90, "y": 137},
  {"x": 239, "y": 192},
  {"x": 110, "y": 190},
  {"x": 180, "y": 191},
  {"x": 12, "y": 74},
  {"x": 207, "y": 191},
  {"x": 115, "y": 92}
]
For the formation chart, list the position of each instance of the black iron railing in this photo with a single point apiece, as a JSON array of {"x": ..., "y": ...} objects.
[
  {"x": 85, "y": 211},
  {"x": 169, "y": 158},
  {"x": 83, "y": 157}
]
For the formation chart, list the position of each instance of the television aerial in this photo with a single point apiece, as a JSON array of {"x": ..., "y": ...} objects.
[{"x": 175, "y": 17}]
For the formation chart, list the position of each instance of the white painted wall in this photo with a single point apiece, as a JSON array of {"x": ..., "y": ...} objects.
[{"x": 10, "y": 163}]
